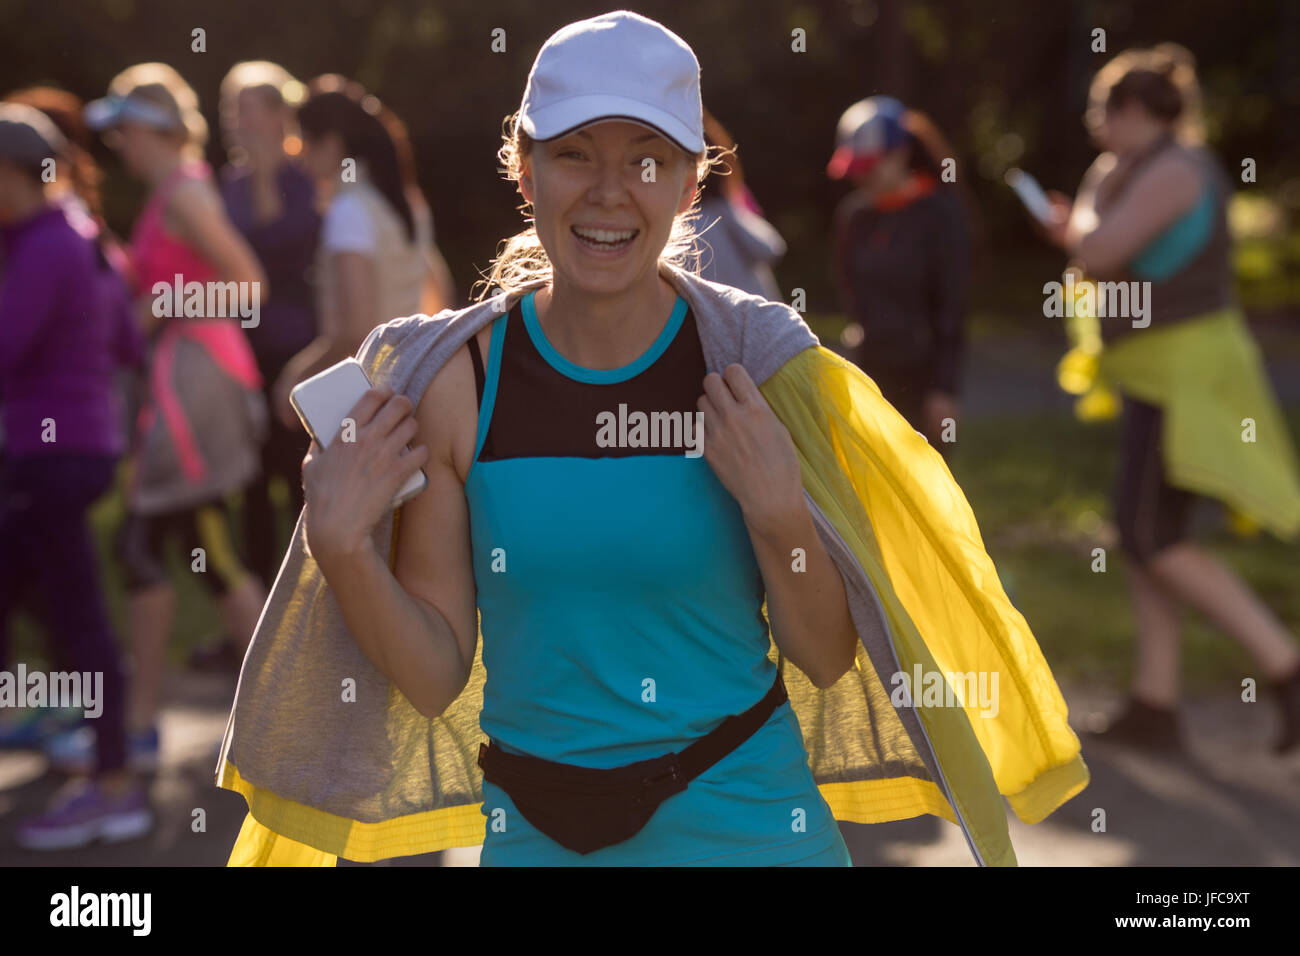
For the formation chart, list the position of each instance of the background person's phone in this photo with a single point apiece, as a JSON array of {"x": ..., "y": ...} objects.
[
  {"x": 1031, "y": 194},
  {"x": 324, "y": 400}
]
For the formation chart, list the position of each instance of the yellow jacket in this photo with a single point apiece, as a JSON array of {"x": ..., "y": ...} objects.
[{"x": 373, "y": 779}]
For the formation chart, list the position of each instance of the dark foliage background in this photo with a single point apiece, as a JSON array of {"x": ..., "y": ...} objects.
[{"x": 1005, "y": 80}]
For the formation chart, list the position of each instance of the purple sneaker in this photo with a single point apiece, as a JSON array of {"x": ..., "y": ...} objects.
[{"x": 85, "y": 816}]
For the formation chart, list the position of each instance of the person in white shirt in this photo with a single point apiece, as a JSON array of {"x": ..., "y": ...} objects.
[{"x": 377, "y": 259}]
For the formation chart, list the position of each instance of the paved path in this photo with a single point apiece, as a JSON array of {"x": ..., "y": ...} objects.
[{"x": 1230, "y": 803}]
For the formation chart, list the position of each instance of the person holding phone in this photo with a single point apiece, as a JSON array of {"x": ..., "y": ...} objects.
[
  {"x": 1152, "y": 209},
  {"x": 667, "y": 510},
  {"x": 618, "y": 567},
  {"x": 902, "y": 260}
]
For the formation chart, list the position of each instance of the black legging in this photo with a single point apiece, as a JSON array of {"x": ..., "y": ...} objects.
[
  {"x": 1151, "y": 514},
  {"x": 282, "y": 455},
  {"x": 46, "y": 546}
]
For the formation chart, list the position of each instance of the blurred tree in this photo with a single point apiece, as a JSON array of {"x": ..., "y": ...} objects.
[{"x": 1005, "y": 80}]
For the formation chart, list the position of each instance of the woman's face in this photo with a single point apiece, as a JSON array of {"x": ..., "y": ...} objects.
[
  {"x": 258, "y": 117},
  {"x": 604, "y": 201},
  {"x": 322, "y": 156},
  {"x": 889, "y": 172},
  {"x": 136, "y": 143},
  {"x": 252, "y": 118},
  {"x": 1124, "y": 128}
]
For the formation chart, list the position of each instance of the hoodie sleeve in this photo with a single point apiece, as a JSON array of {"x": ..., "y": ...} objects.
[
  {"x": 753, "y": 235},
  {"x": 29, "y": 296}
]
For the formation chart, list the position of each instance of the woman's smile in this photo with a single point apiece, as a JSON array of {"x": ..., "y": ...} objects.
[{"x": 604, "y": 243}]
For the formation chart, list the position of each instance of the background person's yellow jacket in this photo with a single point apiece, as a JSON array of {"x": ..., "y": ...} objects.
[{"x": 371, "y": 778}]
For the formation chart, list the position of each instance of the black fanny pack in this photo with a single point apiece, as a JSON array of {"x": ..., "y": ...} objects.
[{"x": 586, "y": 809}]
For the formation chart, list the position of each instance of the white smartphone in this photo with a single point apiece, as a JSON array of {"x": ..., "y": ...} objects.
[
  {"x": 324, "y": 400},
  {"x": 1031, "y": 194}
]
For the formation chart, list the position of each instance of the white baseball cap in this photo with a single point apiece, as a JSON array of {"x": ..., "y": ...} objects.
[{"x": 618, "y": 65}]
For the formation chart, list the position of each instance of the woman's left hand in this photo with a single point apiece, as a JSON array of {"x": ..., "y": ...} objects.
[{"x": 749, "y": 449}]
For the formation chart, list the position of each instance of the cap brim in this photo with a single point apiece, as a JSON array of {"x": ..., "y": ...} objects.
[
  {"x": 103, "y": 113},
  {"x": 845, "y": 162},
  {"x": 578, "y": 112}
]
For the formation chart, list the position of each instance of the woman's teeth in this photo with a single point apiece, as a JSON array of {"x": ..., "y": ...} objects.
[{"x": 604, "y": 238}]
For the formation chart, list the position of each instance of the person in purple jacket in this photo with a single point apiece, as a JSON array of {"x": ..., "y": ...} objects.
[
  {"x": 58, "y": 333},
  {"x": 75, "y": 189}
]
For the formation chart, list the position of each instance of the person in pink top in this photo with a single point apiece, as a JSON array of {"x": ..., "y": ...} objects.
[{"x": 203, "y": 418}]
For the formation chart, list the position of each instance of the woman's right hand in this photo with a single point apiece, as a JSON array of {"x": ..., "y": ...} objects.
[
  {"x": 1062, "y": 207},
  {"x": 350, "y": 485}
]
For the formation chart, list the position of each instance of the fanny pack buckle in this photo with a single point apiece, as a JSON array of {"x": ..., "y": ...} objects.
[{"x": 673, "y": 773}]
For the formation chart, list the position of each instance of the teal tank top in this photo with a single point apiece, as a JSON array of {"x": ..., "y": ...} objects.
[
  {"x": 620, "y": 604},
  {"x": 1179, "y": 244}
]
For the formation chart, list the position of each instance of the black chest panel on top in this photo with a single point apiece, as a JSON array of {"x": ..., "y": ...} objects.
[{"x": 541, "y": 412}]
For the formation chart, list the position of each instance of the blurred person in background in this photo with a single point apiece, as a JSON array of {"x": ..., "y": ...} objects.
[
  {"x": 1152, "y": 209},
  {"x": 75, "y": 189},
  {"x": 199, "y": 431},
  {"x": 741, "y": 246},
  {"x": 272, "y": 202},
  {"x": 902, "y": 260},
  {"x": 58, "y": 331},
  {"x": 377, "y": 259}
]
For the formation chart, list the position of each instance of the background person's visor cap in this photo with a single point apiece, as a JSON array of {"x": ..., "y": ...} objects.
[{"x": 106, "y": 113}]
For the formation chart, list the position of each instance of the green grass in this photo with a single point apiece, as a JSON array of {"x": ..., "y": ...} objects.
[{"x": 1040, "y": 490}]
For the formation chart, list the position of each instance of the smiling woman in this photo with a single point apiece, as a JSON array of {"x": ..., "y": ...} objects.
[
  {"x": 637, "y": 605},
  {"x": 680, "y": 550},
  {"x": 651, "y": 160}
]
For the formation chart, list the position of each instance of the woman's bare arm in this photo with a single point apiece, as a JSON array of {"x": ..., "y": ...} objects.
[
  {"x": 342, "y": 330},
  {"x": 199, "y": 217},
  {"x": 1159, "y": 194},
  {"x": 417, "y": 623}
]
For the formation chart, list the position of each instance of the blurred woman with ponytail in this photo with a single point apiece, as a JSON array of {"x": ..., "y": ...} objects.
[
  {"x": 376, "y": 259},
  {"x": 203, "y": 417},
  {"x": 1151, "y": 213}
]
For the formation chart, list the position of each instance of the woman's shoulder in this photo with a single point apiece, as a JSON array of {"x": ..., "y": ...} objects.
[
  {"x": 349, "y": 200},
  {"x": 1182, "y": 169},
  {"x": 191, "y": 195},
  {"x": 348, "y": 224},
  {"x": 447, "y": 409},
  {"x": 408, "y": 351}
]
